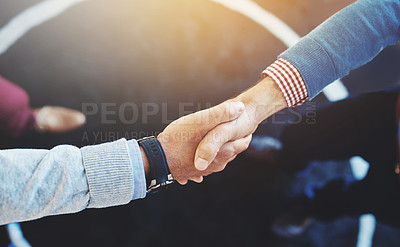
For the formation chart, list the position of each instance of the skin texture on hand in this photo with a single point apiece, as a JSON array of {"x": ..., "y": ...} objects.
[
  {"x": 181, "y": 138},
  {"x": 261, "y": 101}
]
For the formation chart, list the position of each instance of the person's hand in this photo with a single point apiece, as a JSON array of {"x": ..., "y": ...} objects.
[
  {"x": 181, "y": 138},
  {"x": 261, "y": 101}
]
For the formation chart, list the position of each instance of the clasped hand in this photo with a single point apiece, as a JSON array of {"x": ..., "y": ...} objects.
[{"x": 181, "y": 138}]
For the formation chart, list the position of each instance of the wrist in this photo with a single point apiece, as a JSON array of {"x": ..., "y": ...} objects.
[
  {"x": 165, "y": 143},
  {"x": 158, "y": 174},
  {"x": 263, "y": 99}
]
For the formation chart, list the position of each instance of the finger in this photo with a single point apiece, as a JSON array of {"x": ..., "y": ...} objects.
[
  {"x": 182, "y": 181},
  {"x": 216, "y": 138},
  {"x": 197, "y": 179},
  {"x": 238, "y": 146},
  {"x": 219, "y": 165},
  {"x": 224, "y": 112},
  {"x": 229, "y": 151},
  {"x": 210, "y": 145},
  {"x": 244, "y": 144}
]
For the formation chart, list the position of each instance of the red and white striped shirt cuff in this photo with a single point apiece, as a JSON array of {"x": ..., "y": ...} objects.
[{"x": 289, "y": 81}]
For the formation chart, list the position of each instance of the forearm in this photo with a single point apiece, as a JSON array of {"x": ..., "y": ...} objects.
[
  {"x": 347, "y": 40},
  {"x": 66, "y": 179},
  {"x": 37, "y": 183}
]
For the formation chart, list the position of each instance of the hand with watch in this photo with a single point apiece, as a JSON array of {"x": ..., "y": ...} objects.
[{"x": 170, "y": 156}]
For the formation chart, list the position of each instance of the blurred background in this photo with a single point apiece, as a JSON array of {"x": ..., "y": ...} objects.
[{"x": 170, "y": 52}]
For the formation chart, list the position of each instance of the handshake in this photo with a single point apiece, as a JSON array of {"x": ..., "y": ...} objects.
[
  {"x": 67, "y": 179},
  {"x": 204, "y": 142}
]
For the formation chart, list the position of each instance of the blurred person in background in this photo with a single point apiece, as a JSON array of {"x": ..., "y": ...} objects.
[{"x": 18, "y": 118}]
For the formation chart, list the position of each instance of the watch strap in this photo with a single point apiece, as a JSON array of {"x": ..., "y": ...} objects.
[{"x": 160, "y": 175}]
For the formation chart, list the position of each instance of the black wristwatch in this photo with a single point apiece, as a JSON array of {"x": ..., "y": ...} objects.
[{"x": 160, "y": 175}]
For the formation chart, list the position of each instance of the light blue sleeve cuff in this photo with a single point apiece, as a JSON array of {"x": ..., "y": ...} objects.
[{"x": 139, "y": 178}]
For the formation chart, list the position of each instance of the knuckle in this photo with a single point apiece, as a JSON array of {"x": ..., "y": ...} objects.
[
  {"x": 217, "y": 167},
  {"x": 221, "y": 110},
  {"x": 241, "y": 146},
  {"x": 246, "y": 145},
  {"x": 237, "y": 146},
  {"x": 221, "y": 167},
  {"x": 226, "y": 152},
  {"x": 226, "y": 108},
  {"x": 229, "y": 112},
  {"x": 231, "y": 152}
]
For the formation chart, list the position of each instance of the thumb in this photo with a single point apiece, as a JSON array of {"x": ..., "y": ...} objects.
[{"x": 210, "y": 145}]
